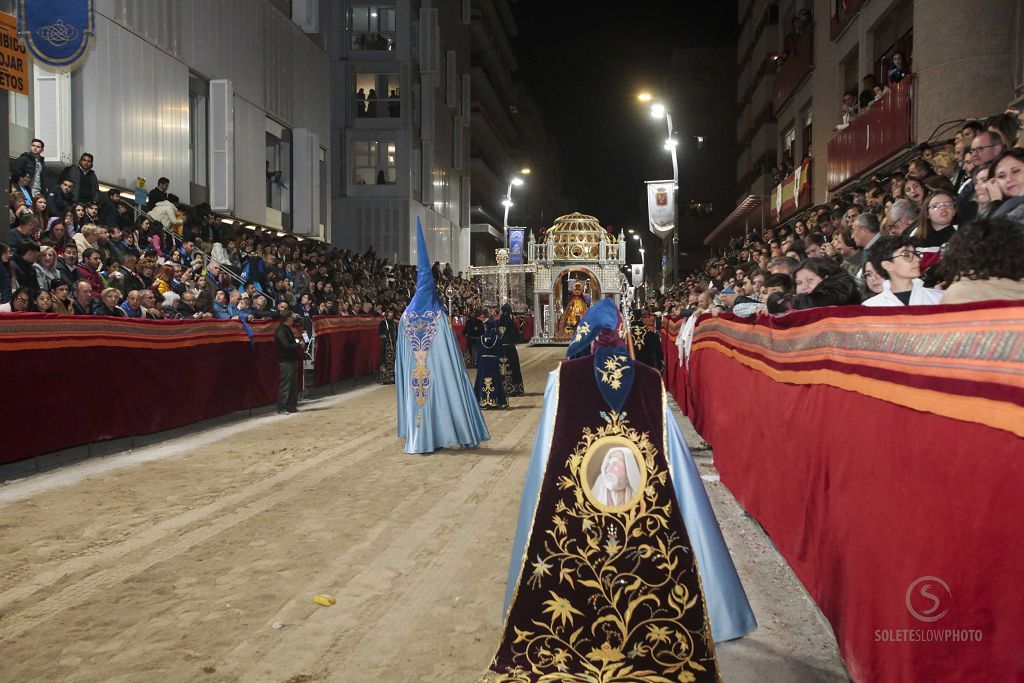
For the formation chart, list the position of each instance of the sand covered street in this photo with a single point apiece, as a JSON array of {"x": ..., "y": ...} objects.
[{"x": 198, "y": 559}]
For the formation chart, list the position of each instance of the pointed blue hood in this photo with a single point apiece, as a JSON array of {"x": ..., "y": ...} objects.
[{"x": 425, "y": 298}]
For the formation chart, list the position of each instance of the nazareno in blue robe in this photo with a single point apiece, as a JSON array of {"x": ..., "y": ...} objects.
[{"x": 436, "y": 404}]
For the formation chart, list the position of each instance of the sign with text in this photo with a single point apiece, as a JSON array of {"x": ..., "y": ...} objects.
[
  {"x": 516, "y": 239},
  {"x": 13, "y": 57}
]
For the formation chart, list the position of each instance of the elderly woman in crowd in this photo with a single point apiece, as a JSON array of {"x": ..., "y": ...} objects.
[
  {"x": 983, "y": 261},
  {"x": 108, "y": 304}
]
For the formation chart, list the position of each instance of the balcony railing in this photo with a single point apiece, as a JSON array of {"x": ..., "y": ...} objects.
[
  {"x": 797, "y": 67},
  {"x": 881, "y": 130},
  {"x": 842, "y": 15},
  {"x": 792, "y": 194}
]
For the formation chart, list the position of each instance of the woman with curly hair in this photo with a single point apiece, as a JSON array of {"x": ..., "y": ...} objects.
[{"x": 984, "y": 261}]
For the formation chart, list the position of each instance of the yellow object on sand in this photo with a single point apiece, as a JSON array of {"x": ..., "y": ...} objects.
[{"x": 325, "y": 600}]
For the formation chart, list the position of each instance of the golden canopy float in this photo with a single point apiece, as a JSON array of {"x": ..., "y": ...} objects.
[{"x": 578, "y": 263}]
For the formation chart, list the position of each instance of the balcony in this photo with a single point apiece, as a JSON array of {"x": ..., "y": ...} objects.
[
  {"x": 881, "y": 130},
  {"x": 794, "y": 71},
  {"x": 842, "y": 15},
  {"x": 792, "y": 194}
]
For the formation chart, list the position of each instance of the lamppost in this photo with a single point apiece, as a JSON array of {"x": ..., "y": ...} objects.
[
  {"x": 515, "y": 181},
  {"x": 658, "y": 111}
]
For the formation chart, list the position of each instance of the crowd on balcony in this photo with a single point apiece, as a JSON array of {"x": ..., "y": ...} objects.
[
  {"x": 947, "y": 227},
  {"x": 75, "y": 251}
]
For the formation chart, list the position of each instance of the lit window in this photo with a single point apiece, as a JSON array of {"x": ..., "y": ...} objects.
[
  {"x": 373, "y": 27},
  {"x": 374, "y": 162},
  {"x": 378, "y": 96}
]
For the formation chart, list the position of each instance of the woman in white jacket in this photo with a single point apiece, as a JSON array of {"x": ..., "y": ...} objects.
[{"x": 895, "y": 259}]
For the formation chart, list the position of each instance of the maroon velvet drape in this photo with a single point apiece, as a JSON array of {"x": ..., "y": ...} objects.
[{"x": 346, "y": 347}]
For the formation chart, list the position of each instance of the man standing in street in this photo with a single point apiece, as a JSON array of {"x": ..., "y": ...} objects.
[{"x": 288, "y": 355}]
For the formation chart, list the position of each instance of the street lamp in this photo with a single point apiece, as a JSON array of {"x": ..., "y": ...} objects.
[
  {"x": 658, "y": 110},
  {"x": 507, "y": 201}
]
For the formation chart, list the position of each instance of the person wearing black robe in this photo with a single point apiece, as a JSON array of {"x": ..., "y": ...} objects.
[
  {"x": 388, "y": 332},
  {"x": 472, "y": 331},
  {"x": 490, "y": 387},
  {"x": 511, "y": 372},
  {"x": 646, "y": 341}
]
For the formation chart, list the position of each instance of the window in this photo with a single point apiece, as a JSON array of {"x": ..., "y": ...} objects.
[
  {"x": 279, "y": 166},
  {"x": 789, "y": 147},
  {"x": 373, "y": 162},
  {"x": 378, "y": 96},
  {"x": 808, "y": 130},
  {"x": 198, "y": 119},
  {"x": 373, "y": 27}
]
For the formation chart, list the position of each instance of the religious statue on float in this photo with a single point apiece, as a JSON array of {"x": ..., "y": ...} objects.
[{"x": 575, "y": 308}]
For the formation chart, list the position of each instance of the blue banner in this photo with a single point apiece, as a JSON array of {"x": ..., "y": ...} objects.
[
  {"x": 516, "y": 238},
  {"x": 57, "y": 32}
]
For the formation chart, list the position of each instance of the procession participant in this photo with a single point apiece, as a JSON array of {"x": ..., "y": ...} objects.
[
  {"x": 645, "y": 339},
  {"x": 388, "y": 332},
  {"x": 472, "y": 331},
  {"x": 490, "y": 385},
  {"x": 508, "y": 358},
  {"x": 436, "y": 405},
  {"x": 592, "y": 577}
]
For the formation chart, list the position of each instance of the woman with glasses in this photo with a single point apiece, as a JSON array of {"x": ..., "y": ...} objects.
[
  {"x": 18, "y": 303},
  {"x": 938, "y": 220},
  {"x": 895, "y": 259}
]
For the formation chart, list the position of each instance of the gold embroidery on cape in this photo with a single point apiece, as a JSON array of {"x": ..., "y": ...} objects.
[
  {"x": 633, "y": 568},
  {"x": 639, "y": 333},
  {"x": 611, "y": 373},
  {"x": 582, "y": 330}
]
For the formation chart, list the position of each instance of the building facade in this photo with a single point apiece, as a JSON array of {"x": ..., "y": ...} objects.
[
  {"x": 798, "y": 57},
  {"x": 226, "y": 115},
  {"x": 399, "y": 99}
]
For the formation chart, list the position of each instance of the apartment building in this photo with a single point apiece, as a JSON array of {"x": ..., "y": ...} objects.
[
  {"x": 798, "y": 57},
  {"x": 214, "y": 96}
]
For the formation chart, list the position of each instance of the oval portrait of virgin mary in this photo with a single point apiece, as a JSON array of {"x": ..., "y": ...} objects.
[{"x": 613, "y": 474}]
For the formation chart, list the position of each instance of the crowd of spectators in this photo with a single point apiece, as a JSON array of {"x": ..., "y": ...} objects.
[
  {"x": 73, "y": 251},
  {"x": 947, "y": 227}
]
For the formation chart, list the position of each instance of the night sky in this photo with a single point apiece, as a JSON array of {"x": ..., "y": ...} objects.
[{"x": 584, "y": 62}]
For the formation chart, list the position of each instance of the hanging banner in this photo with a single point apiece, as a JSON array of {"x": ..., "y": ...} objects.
[
  {"x": 661, "y": 207},
  {"x": 57, "y": 33},
  {"x": 13, "y": 57},
  {"x": 637, "y": 274},
  {"x": 516, "y": 239}
]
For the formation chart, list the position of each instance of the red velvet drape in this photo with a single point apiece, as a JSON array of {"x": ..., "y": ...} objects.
[
  {"x": 346, "y": 347},
  {"x": 864, "y": 496},
  {"x": 73, "y": 380}
]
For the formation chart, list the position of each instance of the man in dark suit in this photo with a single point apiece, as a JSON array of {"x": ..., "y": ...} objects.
[{"x": 289, "y": 354}]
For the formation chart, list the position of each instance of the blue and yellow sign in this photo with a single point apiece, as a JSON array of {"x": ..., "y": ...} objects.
[
  {"x": 57, "y": 32},
  {"x": 516, "y": 238}
]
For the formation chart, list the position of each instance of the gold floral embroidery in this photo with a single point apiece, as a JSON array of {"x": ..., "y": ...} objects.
[
  {"x": 636, "y": 574},
  {"x": 639, "y": 333},
  {"x": 611, "y": 373},
  {"x": 582, "y": 330}
]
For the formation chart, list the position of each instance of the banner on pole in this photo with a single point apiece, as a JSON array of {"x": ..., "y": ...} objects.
[
  {"x": 661, "y": 207},
  {"x": 637, "y": 274},
  {"x": 57, "y": 33},
  {"x": 516, "y": 239}
]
